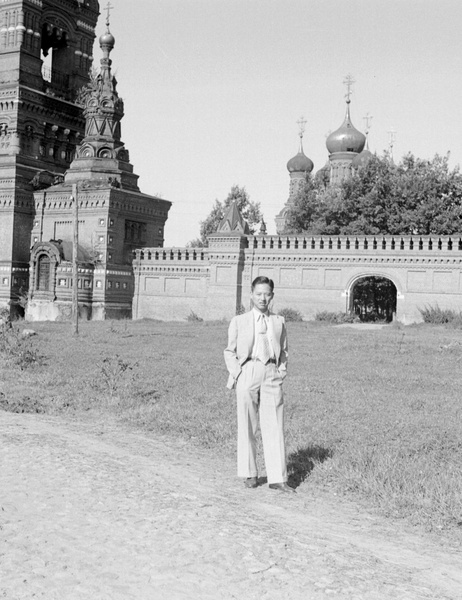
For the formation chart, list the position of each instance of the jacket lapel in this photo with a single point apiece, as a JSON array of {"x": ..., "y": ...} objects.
[{"x": 250, "y": 326}]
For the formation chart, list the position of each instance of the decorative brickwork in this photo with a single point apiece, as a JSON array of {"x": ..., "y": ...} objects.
[{"x": 311, "y": 274}]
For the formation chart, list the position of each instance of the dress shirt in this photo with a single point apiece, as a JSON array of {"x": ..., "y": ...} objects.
[{"x": 269, "y": 329}]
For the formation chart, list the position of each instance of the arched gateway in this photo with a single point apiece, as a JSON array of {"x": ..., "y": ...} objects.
[
  {"x": 373, "y": 298},
  {"x": 311, "y": 274}
]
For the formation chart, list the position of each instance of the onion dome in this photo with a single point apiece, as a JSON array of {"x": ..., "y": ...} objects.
[
  {"x": 361, "y": 160},
  {"x": 347, "y": 138},
  {"x": 107, "y": 40},
  {"x": 324, "y": 169},
  {"x": 300, "y": 162}
]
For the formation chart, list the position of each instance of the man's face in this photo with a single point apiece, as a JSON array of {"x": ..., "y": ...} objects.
[{"x": 261, "y": 296}]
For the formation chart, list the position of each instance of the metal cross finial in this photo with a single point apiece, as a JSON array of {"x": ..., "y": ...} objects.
[
  {"x": 301, "y": 126},
  {"x": 348, "y": 81},
  {"x": 367, "y": 122},
  {"x": 108, "y": 8},
  {"x": 391, "y": 142}
]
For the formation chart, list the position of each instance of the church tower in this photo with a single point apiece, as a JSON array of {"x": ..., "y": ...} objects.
[
  {"x": 344, "y": 144},
  {"x": 45, "y": 57},
  {"x": 115, "y": 217},
  {"x": 298, "y": 167}
]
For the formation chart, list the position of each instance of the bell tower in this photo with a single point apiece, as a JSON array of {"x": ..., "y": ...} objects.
[{"x": 46, "y": 53}]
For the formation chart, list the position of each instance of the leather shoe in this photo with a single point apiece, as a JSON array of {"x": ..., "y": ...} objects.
[
  {"x": 250, "y": 482},
  {"x": 282, "y": 487}
]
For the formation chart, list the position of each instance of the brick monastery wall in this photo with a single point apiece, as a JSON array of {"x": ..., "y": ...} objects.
[{"x": 311, "y": 274}]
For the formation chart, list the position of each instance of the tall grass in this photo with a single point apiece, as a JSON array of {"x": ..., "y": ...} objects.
[
  {"x": 369, "y": 414},
  {"x": 440, "y": 316}
]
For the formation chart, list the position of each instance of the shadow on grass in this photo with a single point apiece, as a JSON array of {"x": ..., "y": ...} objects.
[{"x": 302, "y": 462}]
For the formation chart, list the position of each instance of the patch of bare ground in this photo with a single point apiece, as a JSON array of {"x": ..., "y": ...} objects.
[{"x": 93, "y": 509}]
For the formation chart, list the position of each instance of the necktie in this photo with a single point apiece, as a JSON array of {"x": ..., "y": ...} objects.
[{"x": 263, "y": 349}]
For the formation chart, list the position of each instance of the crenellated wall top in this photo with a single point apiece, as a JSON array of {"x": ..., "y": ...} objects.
[
  {"x": 173, "y": 255},
  {"x": 308, "y": 245},
  {"x": 350, "y": 243}
]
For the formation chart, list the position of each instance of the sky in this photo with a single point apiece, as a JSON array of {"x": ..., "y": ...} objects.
[{"x": 213, "y": 90}]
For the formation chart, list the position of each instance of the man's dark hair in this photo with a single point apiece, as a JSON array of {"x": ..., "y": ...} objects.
[{"x": 262, "y": 279}]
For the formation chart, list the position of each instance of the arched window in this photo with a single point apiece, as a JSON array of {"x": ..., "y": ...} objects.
[{"x": 43, "y": 272}]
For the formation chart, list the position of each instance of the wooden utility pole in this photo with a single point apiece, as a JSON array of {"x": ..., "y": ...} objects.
[{"x": 75, "y": 264}]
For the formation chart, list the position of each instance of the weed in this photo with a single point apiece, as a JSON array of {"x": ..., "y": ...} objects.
[
  {"x": 335, "y": 317},
  {"x": 440, "y": 316},
  {"x": 25, "y": 404},
  {"x": 117, "y": 330},
  {"x": 290, "y": 314},
  {"x": 16, "y": 349},
  {"x": 400, "y": 343},
  {"x": 194, "y": 318},
  {"x": 114, "y": 375}
]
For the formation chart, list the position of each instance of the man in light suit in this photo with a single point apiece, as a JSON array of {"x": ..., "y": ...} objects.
[{"x": 256, "y": 358}]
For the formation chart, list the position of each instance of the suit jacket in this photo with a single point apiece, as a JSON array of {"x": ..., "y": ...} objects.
[{"x": 241, "y": 336}]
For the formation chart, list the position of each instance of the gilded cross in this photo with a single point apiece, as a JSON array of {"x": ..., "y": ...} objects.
[
  {"x": 108, "y": 8},
  {"x": 367, "y": 122},
  {"x": 301, "y": 126},
  {"x": 391, "y": 141},
  {"x": 348, "y": 82}
]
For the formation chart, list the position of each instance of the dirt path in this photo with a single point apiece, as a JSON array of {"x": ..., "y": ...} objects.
[{"x": 93, "y": 511}]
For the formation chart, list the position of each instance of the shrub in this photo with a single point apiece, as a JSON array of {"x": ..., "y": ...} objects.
[
  {"x": 194, "y": 318},
  {"x": 115, "y": 375},
  {"x": 16, "y": 349},
  {"x": 335, "y": 317},
  {"x": 440, "y": 316},
  {"x": 290, "y": 314}
]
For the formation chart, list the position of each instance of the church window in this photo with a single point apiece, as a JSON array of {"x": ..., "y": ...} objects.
[
  {"x": 5, "y": 281},
  {"x": 35, "y": 240},
  {"x": 55, "y": 56},
  {"x": 101, "y": 239},
  {"x": 135, "y": 232},
  {"x": 62, "y": 283},
  {"x": 101, "y": 221},
  {"x": 125, "y": 285},
  {"x": 111, "y": 223},
  {"x": 43, "y": 272},
  {"x": 109, "y": 256},
  {"x": 99, "y": 283},
  {"x": 111, "y": 239},
  {"x": 36, "y": 224},
  {"x": 86, "y": 283},
  {"x": 109, "y": 284},
  {"x": 117, "y": 285}
]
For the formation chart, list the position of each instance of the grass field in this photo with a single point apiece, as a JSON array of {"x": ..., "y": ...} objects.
[{"x": 372, "y": 414}]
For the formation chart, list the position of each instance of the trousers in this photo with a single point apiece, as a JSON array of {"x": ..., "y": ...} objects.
[{"x": 260, "y": 398}]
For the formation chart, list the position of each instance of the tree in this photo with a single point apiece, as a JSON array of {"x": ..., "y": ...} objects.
[
  {"x": 415, "y": 197},
  {"x": 301, "y": 214},
  {"x": 250, "y": 211}
]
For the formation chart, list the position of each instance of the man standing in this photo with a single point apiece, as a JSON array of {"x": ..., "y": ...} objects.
[{"x": 256, "y": 358}]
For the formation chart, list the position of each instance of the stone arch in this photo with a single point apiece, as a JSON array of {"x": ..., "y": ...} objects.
[
  {"x": 45, "y": 256},
  {"x": 373, "y": 295}
]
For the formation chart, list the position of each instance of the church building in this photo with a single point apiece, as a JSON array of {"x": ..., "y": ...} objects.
[
  {"x": 60, "y": 142},
  {"x": 347, "y": 151}
]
